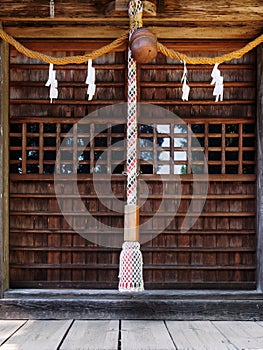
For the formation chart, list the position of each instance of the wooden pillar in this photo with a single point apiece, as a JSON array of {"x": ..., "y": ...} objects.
[
  {"x": 4, "y": 167},
  {"x": 260, "y": 168}
]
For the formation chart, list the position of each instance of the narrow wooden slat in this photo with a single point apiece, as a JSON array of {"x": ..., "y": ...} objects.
[
  {"x": 146, "y": 267},
  {"x": 201, "y": 335},
  {"x": 141, "y": 335},
  {"x": 41, "y": 335},
  {"x": 109, "y": 213},
  {"x": 146, "y": 249},
  {"x": 4, "y": 168},
  {"x": 77, "y": 102},
  {"x": 110, "y": 102},
  {"x": 8, "y": 327},
  {"x": 92, "y": 335},
  {"x": 146, "y": 177},
  {"x": 41, "y": 148},
  {"x": 223, "y": 151},
  {"x": 24, "y": 157},
  {"x": 201, "y": 120},
  {"x": 260, "y": 168},
  {"x": 243, "y": 335},
  {"x": 240, "y": 149},
  {"x": 149, "y": 196}
]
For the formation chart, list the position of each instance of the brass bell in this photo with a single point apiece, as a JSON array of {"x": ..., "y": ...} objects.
[{"x": 143, "y": 45}]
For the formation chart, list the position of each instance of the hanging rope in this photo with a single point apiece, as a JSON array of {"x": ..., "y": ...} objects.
[
  {"x": 130, "y": 272},
  {"x": 210, "y": 60},
  {"x": 64, "y": 60},
  {"x": 135, "y": 14},
  {"x": 122, "y": 40}
]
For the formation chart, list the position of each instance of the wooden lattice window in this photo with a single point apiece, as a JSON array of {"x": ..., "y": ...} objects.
[{"x": 168, "y": 148}]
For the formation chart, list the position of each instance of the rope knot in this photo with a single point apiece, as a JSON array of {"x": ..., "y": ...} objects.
[{"x": 135, "y": 8}]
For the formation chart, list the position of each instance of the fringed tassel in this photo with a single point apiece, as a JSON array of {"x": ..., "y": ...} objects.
[{"x": 131, "y": 272}]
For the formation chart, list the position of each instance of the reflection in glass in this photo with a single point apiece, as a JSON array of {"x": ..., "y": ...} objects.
[
  {"x": 163, "y": 128},
  {"x": 180, "y": 129},
  {"x": 180, "y": 142},
  {"x": 164, "y": 155},
  {"x": 146, "y": 155},
  {"x": 165, "y": 142},
  {"x": 180, "y": 155},
  {"x": 163, "y": 169},
  {"x": 180, "y": 169}
]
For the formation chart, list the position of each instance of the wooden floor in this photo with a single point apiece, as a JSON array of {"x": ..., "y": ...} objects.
[{"x": 130, "y": 335}]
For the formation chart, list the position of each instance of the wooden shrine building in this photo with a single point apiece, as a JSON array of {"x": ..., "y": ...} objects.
[{"x": 214, "y": 269}]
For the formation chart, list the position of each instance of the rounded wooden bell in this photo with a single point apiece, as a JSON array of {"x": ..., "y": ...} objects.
[{"x": 143, "y": 44}]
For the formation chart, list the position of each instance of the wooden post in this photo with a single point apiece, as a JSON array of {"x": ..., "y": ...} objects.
[
  {"x": 260, "y": 168},
  {"x": 131, "y": 223},
  {"x": 4, "y": 168}
]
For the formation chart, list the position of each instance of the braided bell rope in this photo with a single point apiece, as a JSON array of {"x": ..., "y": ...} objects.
[{"x": 135, "y": 14}]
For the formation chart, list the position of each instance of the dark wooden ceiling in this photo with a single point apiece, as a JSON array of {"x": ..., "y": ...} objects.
[{"x": 181, "y": 19}]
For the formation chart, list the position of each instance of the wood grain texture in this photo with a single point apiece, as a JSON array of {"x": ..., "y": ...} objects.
[
  {"x": 4, "y": 168},
  {"x": 91, "y": 335},
  {"x": 244, "y": 335},
  {"x": 141, "y": 335},
  {"x": 201, "y": 335},
  {"x": 112, "y": 305},
  {"x": 219, "y": 251},
  {"x": 8, "y": 328},
  {"x": 42, "y": 335},
  {"x": 260, "y": 169},
  {"x": 105, "y": 19}
]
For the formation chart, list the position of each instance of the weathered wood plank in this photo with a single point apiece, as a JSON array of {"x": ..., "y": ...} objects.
[
  {"x": 199, "y": 10},
  {"x": 201, "y": 335},
  {"x": 4, "y": 168},
  {"x": 260, "y": 169},
  {"x": 174, "y": 31},
  {"x": 40, "y": 335},
  {"x": 142, "y": 335},
  {"x": 8, "y": 327},
  {"x": 91, "y": 335},
  {"x": 244, "y": 335}
]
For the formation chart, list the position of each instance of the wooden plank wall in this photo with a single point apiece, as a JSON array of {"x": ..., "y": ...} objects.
[
  {"x": 259, "y": 168},
  {"x": 4, "y": 175},
  {"x": 220, "y": 249}
]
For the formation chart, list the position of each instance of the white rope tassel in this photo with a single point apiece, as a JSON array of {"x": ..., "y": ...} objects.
[
  {"x": 131, "y": 268},
  {"x": 218, "y": 82},
  {"x": 90, "y": 80},
  {"x": 130, "y": 276},
  {"x": 53, "y": 83}
]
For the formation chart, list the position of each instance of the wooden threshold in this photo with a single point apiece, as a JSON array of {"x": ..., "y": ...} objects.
[{"x": 111, "y": 304}]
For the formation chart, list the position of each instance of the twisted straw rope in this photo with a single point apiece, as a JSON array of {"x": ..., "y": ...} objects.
[
  {"x": 120, "y": 41},
  {"x": 63, "y": 60},
  {"x": 210, "y": 60}
]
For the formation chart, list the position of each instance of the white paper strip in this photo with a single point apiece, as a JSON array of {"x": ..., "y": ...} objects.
[
  {"x": 185, "y": 87},
  {"x": 90, "y": 80},
  {"x": 53, "y": 83},
  {"x": 218, "y": 82}
]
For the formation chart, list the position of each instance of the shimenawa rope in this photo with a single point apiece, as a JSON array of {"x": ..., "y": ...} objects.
[{"x": 122, "y": 40}]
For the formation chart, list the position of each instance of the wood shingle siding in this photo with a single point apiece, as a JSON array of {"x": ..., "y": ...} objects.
[{"x": 219, "y": 251}]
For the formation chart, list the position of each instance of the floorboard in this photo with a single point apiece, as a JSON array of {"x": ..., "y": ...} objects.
[
  {"x": 9, "y": 327},
  {"x": 38, "y": 335},
  {"x": 244, "y": 335},
  {"x": 197, "y": 335},
  {"x": 145, "y": 335},
  {"x": 92, "y": 335}
]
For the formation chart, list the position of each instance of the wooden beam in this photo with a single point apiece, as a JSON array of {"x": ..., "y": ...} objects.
[
  {"x": 112, "y": 30},
  {"x": 4, "y": 169},
  {"x": 260, "y": 169}
]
